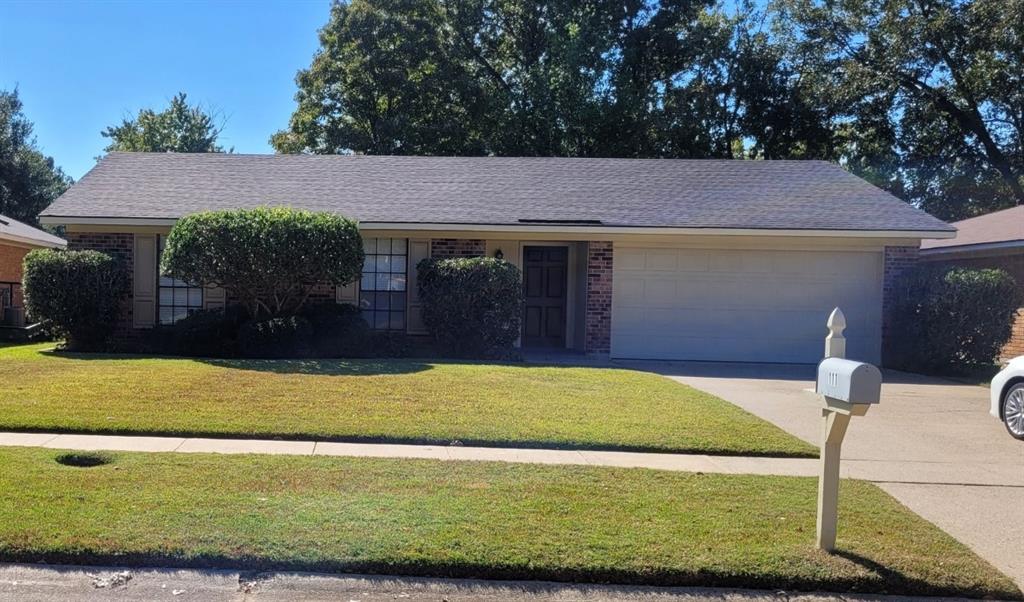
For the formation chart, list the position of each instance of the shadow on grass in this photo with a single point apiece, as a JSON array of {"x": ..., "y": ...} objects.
[
  {"x": 323, "y": 367},
  {"x": 885, "y": 582}
]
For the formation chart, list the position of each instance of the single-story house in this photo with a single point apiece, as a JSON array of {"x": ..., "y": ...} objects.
[
  {"x": 16, "y": 240},
  {"x": 994, "y": 240},
  {"x": 656, "y": 259}
]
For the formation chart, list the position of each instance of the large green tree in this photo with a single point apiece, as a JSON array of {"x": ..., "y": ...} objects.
[
  {"x": 29, "y": 180},
  {"x": 938, "y": 82},
  {"x": 180, "y": 128},
  {"x": 542, "y": 77},
  {"x": 922, "y": 97}
]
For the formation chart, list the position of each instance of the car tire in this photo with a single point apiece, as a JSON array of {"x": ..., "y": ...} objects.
[{"x": 1013, "y": 411}]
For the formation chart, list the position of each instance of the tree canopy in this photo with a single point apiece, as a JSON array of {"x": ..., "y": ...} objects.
[
  {"x": 938, "y": 83},
  {"x": 922, "y": 97},
  {"x": 180, "y": 128},
  {"x": 29, "y": 180}
]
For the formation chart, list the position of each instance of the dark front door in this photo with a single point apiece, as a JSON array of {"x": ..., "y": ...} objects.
[{"x": 544, "y": 282}]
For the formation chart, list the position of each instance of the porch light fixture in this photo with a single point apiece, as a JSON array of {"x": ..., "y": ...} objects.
[{"x": 499, "y": 255}]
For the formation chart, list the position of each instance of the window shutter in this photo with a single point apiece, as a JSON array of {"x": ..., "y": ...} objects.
[
  {"x": 419, "y": 249},
  {"x": 214, "y": 297},
  {"x": 144, "y": 281},
  {"x": 348, "y": 293}
]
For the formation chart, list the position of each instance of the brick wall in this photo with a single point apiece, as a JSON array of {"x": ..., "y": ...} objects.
[
  {"x": 458, "y": 247},
  {"x": 121, "y": 246},
  {"x": 1014, "y": 265},
  {"x": 897, "y": 261},
  {"x": 598, "y": 339},
  {"x": 11, "y": 258}
]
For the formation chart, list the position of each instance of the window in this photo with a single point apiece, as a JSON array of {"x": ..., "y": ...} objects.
[
  {"x": 177, "y": 299},
  {"x": 382, "y": 287}
]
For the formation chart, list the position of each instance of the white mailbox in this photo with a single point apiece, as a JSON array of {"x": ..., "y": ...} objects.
[
  {"x": 849, "y": 381},
  {"x": 848, "y": 389}
]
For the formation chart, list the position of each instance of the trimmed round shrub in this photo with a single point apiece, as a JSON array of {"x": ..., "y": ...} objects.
[
  {"x": 79, "y": 293},
  {"x": 204, "y": 333},
  {"x": 472, "y": 307},
  {"x": 284, "y": 337},
  {"x": 270, "y": 258},
  {"x": 338, "y": 330},
  {"x": 950, "y": 320}
]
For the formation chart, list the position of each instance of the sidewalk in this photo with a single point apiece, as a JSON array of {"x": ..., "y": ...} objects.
[
  {"x": 71, "y": 584},
  {"x": 676, "y": 462},
  {"x": 866, "y": 469}
]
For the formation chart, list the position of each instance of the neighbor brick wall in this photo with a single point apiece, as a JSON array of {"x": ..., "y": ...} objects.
[
  {"x": 458, "y": 247},
  {"x": 598, "y": 339},
  {"x": 122, "y": 246},
  {"x": 1014, "y": 265},
  {"x": 11, "y": 258},
  {"x": 897, "y": 261}
]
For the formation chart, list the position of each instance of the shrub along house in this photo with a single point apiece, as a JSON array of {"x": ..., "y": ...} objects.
[
  {"x": 995, "y": 240},
  {"x": 16, "y": 240},
  {"x": 659, "y": 259}
]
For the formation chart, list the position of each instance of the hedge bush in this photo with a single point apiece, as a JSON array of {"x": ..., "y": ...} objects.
[
  {"x": 79, "y": 293},
  {"x": 338, "y": 330},
  {"x": 268, "y": 258},
  {"x": 204, "y": 333},
  {"x": 950, "y": 320},
  {"x": 472, "y": 307},
  {"x": 288, "y": 336}
]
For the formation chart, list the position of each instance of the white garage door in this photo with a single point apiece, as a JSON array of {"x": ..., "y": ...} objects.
[{"x": 743, "y": 305}]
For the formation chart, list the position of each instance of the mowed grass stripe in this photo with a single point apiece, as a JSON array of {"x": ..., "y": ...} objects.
[
  {"x": 472, "y": 519},
  {"x": 376, "y": 400}
]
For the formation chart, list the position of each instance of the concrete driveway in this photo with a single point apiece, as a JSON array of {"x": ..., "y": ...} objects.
[{"x": 930, "y": 443}]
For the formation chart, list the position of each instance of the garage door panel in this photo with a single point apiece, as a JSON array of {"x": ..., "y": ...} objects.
[
  {"x": 748, "y": 305},
  {"x": 717, "y": 322}
]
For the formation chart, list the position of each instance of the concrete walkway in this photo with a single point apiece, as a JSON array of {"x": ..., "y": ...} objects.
[
  {"x": 931, "y": 444},
  {"x": 854, "y": 468},
  {"x": 678, "y": 462},
  {"x": 30, "y": 583}
]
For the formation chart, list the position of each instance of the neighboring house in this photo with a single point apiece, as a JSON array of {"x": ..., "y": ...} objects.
[
  {"x": 995, "y": 240},
  {"x": 657, "y": 259},
  {"x": 16, "y": 240}
]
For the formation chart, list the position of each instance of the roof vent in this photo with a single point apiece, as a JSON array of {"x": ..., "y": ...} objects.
[{"x": 582, "y": 222}]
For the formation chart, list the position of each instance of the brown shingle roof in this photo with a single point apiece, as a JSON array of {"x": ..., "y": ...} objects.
[
  {"x": 14, "y": 231},
  {"x": 998, "y": 227},
  {"x": 490, "y": 190}
]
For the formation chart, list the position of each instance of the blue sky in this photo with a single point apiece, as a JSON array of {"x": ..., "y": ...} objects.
[{"x": 80, "y": 67}]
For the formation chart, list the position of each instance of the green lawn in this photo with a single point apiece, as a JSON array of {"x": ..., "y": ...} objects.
[
  {"x": 472, "y": 519},
  {"x": 382, "y": 400}
]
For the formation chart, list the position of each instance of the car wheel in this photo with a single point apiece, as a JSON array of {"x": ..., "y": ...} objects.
[{"x": 1013, "y": 410}]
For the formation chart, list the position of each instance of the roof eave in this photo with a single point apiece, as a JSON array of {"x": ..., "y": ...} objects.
[
  {"x": 554, "y": 228},
  {"x": 34, "y": 242},
  {"x": 973, "y": 248}
]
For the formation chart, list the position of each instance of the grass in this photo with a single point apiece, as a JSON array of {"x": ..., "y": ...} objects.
[
  {"x": 472, "y": 519},
  {"x": 375, "y": 400}
]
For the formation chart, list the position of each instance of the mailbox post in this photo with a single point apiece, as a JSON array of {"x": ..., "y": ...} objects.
[{"x": 849, "y": 388}]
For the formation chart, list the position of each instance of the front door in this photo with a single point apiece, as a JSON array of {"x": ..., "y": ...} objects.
[{"x": 545, "y": 271}]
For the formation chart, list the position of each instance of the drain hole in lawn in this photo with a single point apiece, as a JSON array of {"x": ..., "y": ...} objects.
[{"x": 84, "y": 460}]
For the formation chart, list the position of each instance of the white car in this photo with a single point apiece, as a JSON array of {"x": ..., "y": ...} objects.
[{"x": 1008, "y": 397}]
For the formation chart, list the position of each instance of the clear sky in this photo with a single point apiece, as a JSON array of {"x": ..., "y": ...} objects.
[{"x": 81, "y": 66}]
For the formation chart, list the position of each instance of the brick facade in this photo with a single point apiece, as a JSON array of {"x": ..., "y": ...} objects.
[
  {"x": 1014, "y": 265},
  {"x": 598, "y": 337},
  {"x": 122, "y": 246},
  {"x": 458, "y": 247},
  {"x": 897, "y": 261},
  {"x": 11, "y": 258}
]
